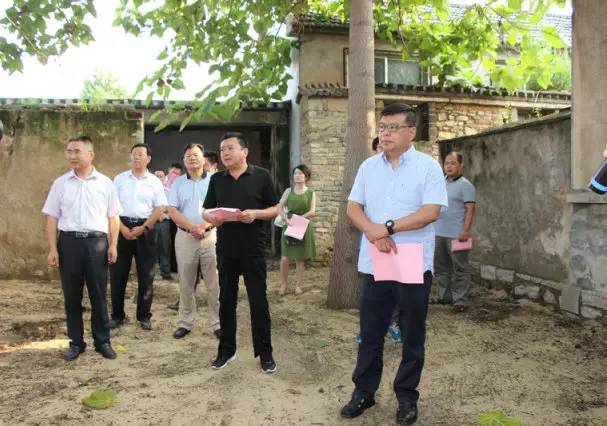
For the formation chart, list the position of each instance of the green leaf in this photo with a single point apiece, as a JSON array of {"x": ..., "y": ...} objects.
[
  {"x": 552, "y": 36},
  {"x": 497, "y": 418},
  {"x": 120, "y": 348},
  {"x": 321, "y": 343},
  {"x": 100, "y": 400}
]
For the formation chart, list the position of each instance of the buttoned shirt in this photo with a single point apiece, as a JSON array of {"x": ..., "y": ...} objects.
[
  {"x": 82, "y": 205},
  {"x": 388, "y": 193},
  {"x": 188, "y": 194},
  {"x": 139, "y": 196}
]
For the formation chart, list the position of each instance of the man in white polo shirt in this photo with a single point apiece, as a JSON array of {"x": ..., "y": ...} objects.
[
  {"x": 143, "y": 201},
  {"x": 194, "y": 242},
  {"x": 83, "y": 206},
  {"x": 395, "y": 198}
]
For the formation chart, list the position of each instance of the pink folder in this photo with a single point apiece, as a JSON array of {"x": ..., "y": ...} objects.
[
  {"x": 457, "y": 245},
  {"x": 406, "y": 266},
  {"x": 225, "y": 213},
  {"x": 297, "y": 227}
]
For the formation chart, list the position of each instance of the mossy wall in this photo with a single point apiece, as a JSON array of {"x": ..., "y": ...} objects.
[{"x": 32, "y": 156}]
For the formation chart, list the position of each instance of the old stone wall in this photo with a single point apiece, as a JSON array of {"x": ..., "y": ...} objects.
[
  {"x": 32, "y": 156},
  {"x": 322, "y": 147},
  {"x": 529, "y": 234},
  {"x": 450, "y": 120}
]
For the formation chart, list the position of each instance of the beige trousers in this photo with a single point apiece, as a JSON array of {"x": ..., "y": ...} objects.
[{"x": 191, "y": 252}]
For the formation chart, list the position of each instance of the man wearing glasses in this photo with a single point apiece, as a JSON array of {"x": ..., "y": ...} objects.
[{"x": 395, "y": 198}]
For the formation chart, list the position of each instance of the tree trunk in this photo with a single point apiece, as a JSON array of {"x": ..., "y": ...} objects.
[{"x": 344, "y": 287}]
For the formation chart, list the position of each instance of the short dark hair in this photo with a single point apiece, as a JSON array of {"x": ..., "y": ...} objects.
[
  {"x": 375, "y": 143},
  {"x": 398, "y": 108},
  {"x": 212, "y": 157},
  {"x": 457, "y": 155},
  {"x": 82, "y": 138},
  {"x": 148, "y": 150},
  {"x": 241, "y": 139},
  {"x": 177, "y": 166},
  {"x": 193, "y": 145},
  {"x": 304, "y": 169}
]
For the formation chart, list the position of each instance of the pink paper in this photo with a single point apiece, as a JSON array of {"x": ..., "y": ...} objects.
[
  {"x": 406, "y": 266},
  {"x": 297, "y": 227},
  {"x": 226, "y": 214},
  {"x": 457, "y": 245}
]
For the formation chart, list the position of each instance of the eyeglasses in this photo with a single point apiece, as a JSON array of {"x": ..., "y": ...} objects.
[{"x": 391, "y": 127}]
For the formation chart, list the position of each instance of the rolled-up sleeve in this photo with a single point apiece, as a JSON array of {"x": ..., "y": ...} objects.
[
  {"x": 357, "y": 194},
  {"x": 435, "y": 190},
  {"x": 160, "y": 198},
  {"x": 114, "y": 207},
  {"x": 52, "y": 205}
]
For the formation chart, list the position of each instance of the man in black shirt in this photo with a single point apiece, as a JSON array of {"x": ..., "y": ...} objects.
[{"x": 241, "y": 246}]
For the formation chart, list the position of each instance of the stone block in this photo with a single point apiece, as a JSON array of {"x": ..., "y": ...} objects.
[
  {"x": 549, "y": 297},
  {"x": 595, "y": 299},
  {"x": 529, "y": 291},
  {"x": 505, "y": 275},
  {"x": 488, "y": 272},
  {"x": 570, "y": 299},
  {"x": 590, "y": 313}
]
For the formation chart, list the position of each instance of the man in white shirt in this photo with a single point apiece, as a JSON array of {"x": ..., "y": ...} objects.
[
  {"x": 143, "y": 201},
  {"x": 82, "y": 207}
]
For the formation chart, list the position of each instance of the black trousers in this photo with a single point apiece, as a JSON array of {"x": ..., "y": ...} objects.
[
  {"x": 253, "y": 270},
  {"x": 84, "y": 260},
  {"x": 377, "y": 302},
  {"x": 145, "y": 253}
]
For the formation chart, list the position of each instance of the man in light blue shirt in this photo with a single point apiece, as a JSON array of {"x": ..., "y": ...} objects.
[
  {"x": 194, "y": 242},
  {"x": 395, "y": 197}
]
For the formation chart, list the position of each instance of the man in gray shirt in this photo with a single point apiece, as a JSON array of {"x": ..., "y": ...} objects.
[{"x": 451, "y": 267}]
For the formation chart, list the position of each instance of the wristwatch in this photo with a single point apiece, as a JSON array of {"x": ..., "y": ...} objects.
[{"x": 390, "y": 226}]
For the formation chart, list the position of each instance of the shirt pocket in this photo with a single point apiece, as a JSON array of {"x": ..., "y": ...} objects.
[
  {"x": 145, "y": 195},
  {"x": 408, "y": 196}
]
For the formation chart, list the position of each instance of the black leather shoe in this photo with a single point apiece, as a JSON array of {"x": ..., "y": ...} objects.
[
  {"x": 114, "y": 323},
  {"x": 73, "y": 352},
  {"x": 106, "y": 351},
  {"x": 268, "y": 365},
  {"x": 146, "y": 324},
  {"x": 173, "y": 306},
  {"x": 357, "y": 405},
  {"x": 406, "y": 414},
  {"x": 217, "y": 333},
  {"x": 180, "y": 332}
]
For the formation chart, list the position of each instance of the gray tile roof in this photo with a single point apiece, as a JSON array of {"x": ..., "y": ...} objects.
[{"x": 337, "y": 90}]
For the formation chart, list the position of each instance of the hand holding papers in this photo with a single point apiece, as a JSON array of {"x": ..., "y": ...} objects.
[
  {"x": 457, "y": 245},
  {"x": 297, "y": 227},
  {"x": 405, "y": 266},
  {"x": 225, "y": 214}
]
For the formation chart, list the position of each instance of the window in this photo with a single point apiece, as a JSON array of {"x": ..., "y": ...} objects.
[{"x": 391, "y": 69}]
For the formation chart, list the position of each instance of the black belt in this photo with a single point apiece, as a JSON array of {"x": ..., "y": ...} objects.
[
  {"x": 133, "y": 221},
  {"x": 165, "y": 220},
  {"x": 81, "y": 235},
  {"x": 188, "y": 231}
]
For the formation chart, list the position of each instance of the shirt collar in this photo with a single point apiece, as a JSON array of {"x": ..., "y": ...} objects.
[
  {"x": 204, "y": 175},
  {"x": 404, "y": 157},
  {"x": 145, "y": 175},
  {"x": 249, "y": 171},
  {"x": 94, "y": 175},
  {"x": 454, "y": 179}
]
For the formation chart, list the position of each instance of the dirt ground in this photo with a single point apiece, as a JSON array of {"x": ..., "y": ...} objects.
[{"x": 516, "y": 356}]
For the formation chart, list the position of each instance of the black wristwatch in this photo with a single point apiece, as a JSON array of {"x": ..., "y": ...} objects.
[{"x": 390, "y": 226}]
